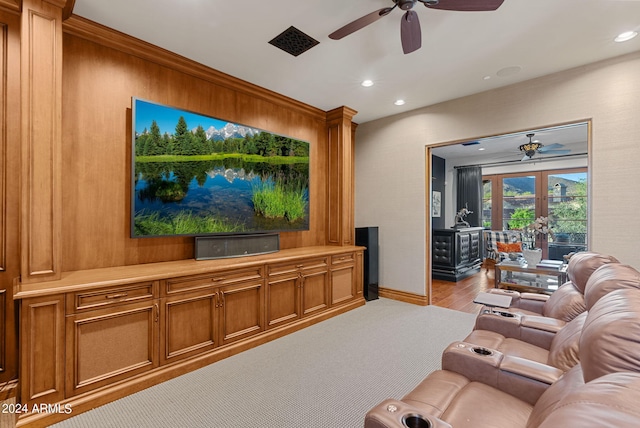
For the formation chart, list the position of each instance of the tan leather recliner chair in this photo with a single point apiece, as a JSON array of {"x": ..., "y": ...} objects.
[{"x": 603, "y": 390}]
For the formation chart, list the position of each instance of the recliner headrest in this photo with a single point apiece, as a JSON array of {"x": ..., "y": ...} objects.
[
  {"x": 583, "y": 264},
  {"x": 610, "y": 340},
  {"x": 608, "y": 278}
]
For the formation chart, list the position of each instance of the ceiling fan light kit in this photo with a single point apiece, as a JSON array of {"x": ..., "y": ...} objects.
[
  {"x": 410, "y": 33},
  {"x": 532, "y": 147}
]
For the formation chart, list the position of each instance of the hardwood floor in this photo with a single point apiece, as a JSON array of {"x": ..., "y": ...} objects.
[{"x": 459, "y": 295}]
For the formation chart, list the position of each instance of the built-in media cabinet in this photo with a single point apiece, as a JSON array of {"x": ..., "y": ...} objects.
[{"x": 97, "y": 335}]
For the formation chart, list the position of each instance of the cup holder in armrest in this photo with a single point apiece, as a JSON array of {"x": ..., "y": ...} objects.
[
  {"x": 413, "y": 420},
  {"x": 481, "y": 351},
  {"x": 504, "y": 314}
]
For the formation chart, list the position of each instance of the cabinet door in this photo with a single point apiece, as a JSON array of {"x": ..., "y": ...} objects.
[
  {"x": 343, "y": 278},
  {"x": 241, "y": 311},
  {"x": 283, "y": 299},
  {"x": 108, "y": 345},
  {"x": 463, "y": 247},
  {"x": 315, "y": 291},
  {"x": 189, "y": 324}
]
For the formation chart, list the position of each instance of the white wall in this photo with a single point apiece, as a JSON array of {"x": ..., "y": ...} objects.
[{"x": 390, "y": 158}]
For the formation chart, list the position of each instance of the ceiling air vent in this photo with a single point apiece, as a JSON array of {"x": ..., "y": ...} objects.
[{"x": 293, "y": 41}]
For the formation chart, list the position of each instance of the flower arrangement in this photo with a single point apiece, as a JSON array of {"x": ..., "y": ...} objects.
[{"x": 539, "y": 227}]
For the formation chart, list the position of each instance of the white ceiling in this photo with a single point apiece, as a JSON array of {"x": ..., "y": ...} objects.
[
  {"x": 458, "y": 48},
  {"x": 505, "y": 148}
]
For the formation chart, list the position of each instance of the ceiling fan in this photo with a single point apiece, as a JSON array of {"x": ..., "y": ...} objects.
[
  {"x": 532, "y": 147},
  {"x": 410, "y": 33}
]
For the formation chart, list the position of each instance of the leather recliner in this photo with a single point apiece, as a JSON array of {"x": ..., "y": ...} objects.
[{"x": 602, "y": 390}]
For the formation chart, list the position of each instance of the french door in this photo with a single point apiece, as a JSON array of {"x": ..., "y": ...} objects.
[{"x": 515, "y": 201}]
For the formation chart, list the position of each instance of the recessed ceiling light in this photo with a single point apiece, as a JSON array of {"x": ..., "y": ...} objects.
[
  {"x": 487, "y": 77},
  {"x": 509, "y": 71},
  {"x": 367, "y": 83},
  {"x": 627, "y": 35},
  {"x": 482, "y": 148},
  {"x": 399, "y": 102}
]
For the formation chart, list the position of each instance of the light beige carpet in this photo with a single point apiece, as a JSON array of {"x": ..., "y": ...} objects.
[{"x": 328, "y": 375}]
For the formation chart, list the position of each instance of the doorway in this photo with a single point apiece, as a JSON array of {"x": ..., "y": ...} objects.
[{"x": 558, "y": 183}]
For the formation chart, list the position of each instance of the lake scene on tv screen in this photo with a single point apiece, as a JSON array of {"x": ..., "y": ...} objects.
[{"x": 198, "y": 175}]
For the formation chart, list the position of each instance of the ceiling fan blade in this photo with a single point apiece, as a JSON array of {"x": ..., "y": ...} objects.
[
  {"x": 359, "y": 23},
  {"x": 525, "y": 158},
  {"x": 466, "y": 5},
  {"x": 410, "y": 33},
  {"x": 556, "y": 152},
  {"x": 550, "y": 147}
]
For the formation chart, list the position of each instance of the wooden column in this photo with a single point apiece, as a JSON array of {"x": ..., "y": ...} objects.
[
  {"x": 340, "y": 182},
  {"x": 41, "y": 106}
]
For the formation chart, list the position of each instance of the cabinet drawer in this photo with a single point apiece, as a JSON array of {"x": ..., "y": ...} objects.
[
  {"x": 284, "y": 268},
  {"x": 342, "y": 259},
  {"x": 188, "y": 283},
  {"x": 104, "y": 297}
]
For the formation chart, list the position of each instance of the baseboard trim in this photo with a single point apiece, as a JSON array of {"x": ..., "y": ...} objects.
[
  {"x": 403, "y": 296},
  {"x": 98, "y": 397}
]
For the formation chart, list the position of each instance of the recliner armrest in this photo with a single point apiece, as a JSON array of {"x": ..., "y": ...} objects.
[
  {"x": 526, "y": 379},
  {"x": 393, "y": 413},
  {"x": 539, "y": 331},
  {"x": 530, "y": 369},
  {"x": 474, "y": 362},
  {"x": 551, "y": 325},
  {"x": 532, "y": 302},
  {"x": 506, "y": 323}
]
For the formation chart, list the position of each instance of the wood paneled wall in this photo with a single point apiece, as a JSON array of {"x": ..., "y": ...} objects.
[
  {"x": 9, "y": 186},
  {"x": 65, "y": 150},
  {"x": 102, "y": 71}
]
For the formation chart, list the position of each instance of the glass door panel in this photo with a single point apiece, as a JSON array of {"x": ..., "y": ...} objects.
[
  {"x": 487, "y": 203},
  {"x": 519, "y": 203},
  {"x": 567, "y": 209}
]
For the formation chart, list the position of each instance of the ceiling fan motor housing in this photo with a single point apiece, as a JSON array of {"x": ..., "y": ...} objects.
[{"x": 405, "y": 4}]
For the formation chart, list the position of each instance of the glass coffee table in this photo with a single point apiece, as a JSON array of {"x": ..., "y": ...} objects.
[{"x": 518, "y": 276}]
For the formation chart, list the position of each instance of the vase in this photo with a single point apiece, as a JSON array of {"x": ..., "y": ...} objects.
[{"x": 532, "y": 257}]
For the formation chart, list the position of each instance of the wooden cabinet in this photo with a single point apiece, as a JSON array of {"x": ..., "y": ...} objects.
[
  {"x": 100, "y": 334},
  {"x": 295, "y": 290},
  {"x": 456, "y": 253}
]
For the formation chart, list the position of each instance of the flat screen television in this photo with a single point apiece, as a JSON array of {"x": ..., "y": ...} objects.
[{"x": 194, "y": 175}]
